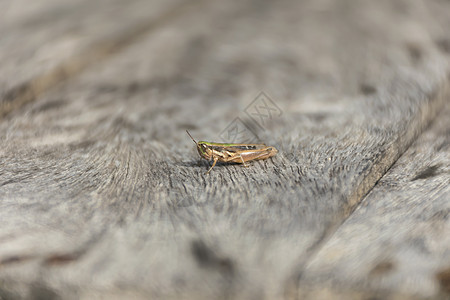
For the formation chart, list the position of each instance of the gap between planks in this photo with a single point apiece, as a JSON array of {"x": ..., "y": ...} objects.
[{"x": 442, "y": 95}]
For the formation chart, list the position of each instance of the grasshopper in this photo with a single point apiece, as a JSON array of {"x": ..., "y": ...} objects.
[{"x": 237, "y": 153}]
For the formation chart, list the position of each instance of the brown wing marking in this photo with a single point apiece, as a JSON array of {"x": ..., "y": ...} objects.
[{"x": 251, "y": 155}]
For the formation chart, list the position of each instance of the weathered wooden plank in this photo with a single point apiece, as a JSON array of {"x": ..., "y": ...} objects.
[
  {"x": 101, "y": 191},
  {"x": 49, "y": 41},
  {"x": 396, "y": 245}
]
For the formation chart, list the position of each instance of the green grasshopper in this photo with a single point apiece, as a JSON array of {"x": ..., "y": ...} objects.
[{"x": 237, "y": 153}]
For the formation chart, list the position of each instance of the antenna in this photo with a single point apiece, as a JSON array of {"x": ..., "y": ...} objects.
[{"x": 191, "y": 137}]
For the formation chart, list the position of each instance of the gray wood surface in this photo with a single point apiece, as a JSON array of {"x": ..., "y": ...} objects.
[
  {"x": 103, "y": 194},
  {"x": 45, "y": 42},
  {"x": 397, "y": 243}
]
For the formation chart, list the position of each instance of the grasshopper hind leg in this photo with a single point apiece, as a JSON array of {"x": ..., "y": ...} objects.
[{"x": 243, "y": 162}]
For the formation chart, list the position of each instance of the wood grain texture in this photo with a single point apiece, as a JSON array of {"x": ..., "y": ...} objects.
[
  {"x": 396, "y": 245},
  {"x": 44, "y": 43},
  {"x": 102, "y": 192}
]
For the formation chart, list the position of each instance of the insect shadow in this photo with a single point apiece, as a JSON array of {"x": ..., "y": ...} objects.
[{"x": 202, "y": 164}]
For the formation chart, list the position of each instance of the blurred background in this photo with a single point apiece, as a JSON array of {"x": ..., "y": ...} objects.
[{"x": 103, "y": 195}]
